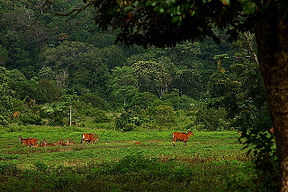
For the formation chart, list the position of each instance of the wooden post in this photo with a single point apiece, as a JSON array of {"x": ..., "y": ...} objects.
[{"x": 70, "y": 115}]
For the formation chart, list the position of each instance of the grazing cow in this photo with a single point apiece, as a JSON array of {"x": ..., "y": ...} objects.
[
  {"x": 181, "y": 137},
  {"x": 29, "y": 142},
  {"x": 61, "y": 142},
  {"x": 90, "y": 137},
  {"x": 68, "y": 142},
  {"x": 49, "y": 144},
  {"x": 42, "y": 144}
]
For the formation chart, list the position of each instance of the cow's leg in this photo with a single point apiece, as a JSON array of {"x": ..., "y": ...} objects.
[{"x": 174, "y": 139}]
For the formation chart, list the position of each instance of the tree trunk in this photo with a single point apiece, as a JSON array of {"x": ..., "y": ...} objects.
[{"x": 272, "y": 42}]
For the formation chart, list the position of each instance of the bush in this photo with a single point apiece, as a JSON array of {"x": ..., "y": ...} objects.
[
  {"x": 94, "y": 100},
  {"x": 134, "y": 163},
  {"x": 183, "y": 102},
  {"x": 162, "y": 115},
  {"x": 128, "y": 121},
  {"x": 30, "y": 118},
  {"x": 150, "y": 125},
  {"x": 101, "y": 116},
  {"x": 141, "y": 101},
  {"x": 213, "y": 119},
  {"x": 3, "y": 120}
]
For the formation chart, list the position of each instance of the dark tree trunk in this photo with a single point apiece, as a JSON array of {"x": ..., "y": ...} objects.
[{"x": 272, "y": 41}]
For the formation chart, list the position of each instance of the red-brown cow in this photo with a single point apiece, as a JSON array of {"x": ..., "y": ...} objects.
[
  {"x": 90, "y": 137},
  {"x": 181, "y": 137},
  {"x": 29, "y": 142},
  {"x": 49, "y": 144}
]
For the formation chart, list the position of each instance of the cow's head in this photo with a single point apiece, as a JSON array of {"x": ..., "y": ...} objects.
[{"x": 190, "y": 132}]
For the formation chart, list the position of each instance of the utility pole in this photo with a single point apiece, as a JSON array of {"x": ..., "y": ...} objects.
[{"x": 70, "y": 115}]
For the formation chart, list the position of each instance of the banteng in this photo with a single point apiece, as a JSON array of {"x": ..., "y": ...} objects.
[{"x": 181, "y": 137}]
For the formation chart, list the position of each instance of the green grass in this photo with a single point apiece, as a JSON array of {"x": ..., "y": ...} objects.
[{"x": 212, "y": 161}]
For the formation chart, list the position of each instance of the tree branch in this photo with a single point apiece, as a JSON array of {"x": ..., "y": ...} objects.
[
  {"x": 74, "y": 12},
  {"x": 249, "y": 38}
]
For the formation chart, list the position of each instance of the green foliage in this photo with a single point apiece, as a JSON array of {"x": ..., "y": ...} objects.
[
  {"x": 212, "y": 119},
  {"x": 142, "y": 101},
  {"x": 71, "y": 55},
  {"x": 3, "y": 56},
  {"x": 178, "y": 102},
  {"x": 128, "y": 121},
  {"x": 7, "y": 102},
  {"x": 151, "y": 125},
  {"x": 30, "y": 118},
  {"x": 162, "y": 115},
  {"x": 151, "y": 77},
  {"x": 137, "y": 163},
  {"x": 254, "y": 124},
  {"x": 189, "y": 81},
  {"x": 55, "y": 112},
  {"x": 94, "y": 100},
  {"x": 4, "y": 120},
  {"x": 46, "y": 73},
  {"x": 100, "y": 116},
  {"x": 52, "y": 92},
  {"x": 123, "y": 84}
]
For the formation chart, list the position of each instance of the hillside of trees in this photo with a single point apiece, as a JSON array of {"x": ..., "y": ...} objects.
[
  {"x": 64, "y": 71},
  {"x": 53, "y": 67}
]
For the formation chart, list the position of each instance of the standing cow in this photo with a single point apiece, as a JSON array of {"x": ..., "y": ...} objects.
[
  {"x": 181, "y": 137},
  {"x": 89, "y": 137},
  {"x": 29, "y": 142}
]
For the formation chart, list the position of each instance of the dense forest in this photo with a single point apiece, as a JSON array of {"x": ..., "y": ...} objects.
[
  {"x": 58, "y": 70},
  {"x": 54, "y": 69}
]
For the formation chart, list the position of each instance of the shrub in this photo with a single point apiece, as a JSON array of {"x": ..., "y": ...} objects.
[
  {"x": 162, "y": 115},
  {"x": 30, "y": 118},
  {"x": 94, "y": 100},
  {"x": 4, "y": 120},
  {"x": 134, "y": 162},
  {"x": 141, "y": 101},
  {"x": 213, "y": 119},
  {"x": 128, "y": 121},
  {"x": 178, "y": 102},
  {"x": 101, "y": 116},
  {"x": 150, "y": 125}
]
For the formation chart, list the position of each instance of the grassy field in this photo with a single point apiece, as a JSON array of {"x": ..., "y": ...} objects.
[{"x": 212, "y": 161}]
